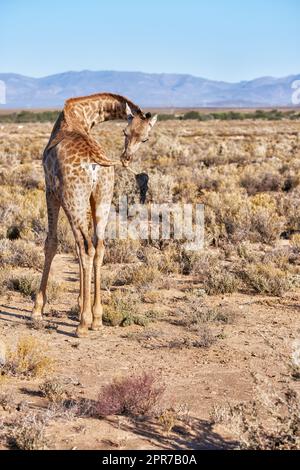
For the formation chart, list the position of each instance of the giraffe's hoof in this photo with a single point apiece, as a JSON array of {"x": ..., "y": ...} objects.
[
  {"x": 36, "y": 316},
  {"x": 82, "y": 331},
  {"x": 97, "y": 325}
]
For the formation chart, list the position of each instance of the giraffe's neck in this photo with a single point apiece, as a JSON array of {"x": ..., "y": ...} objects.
[{"x": 84, "y": 113}]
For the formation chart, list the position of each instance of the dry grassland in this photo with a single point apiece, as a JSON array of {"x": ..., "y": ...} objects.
[{"x": 200, "y": 349}]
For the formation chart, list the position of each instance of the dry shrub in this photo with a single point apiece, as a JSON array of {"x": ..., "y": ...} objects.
[
  {"x": 174, "y": 259},
  {"x": 289, "y": 209},
  {"x": 20, "y": 253},
  {"x": 28, "y": 284},
  {"x": 152, "y": 296},
  {"x": 161, "y": 187},
  {"x": 171, "y": 256},
  {"x": 23, "y": 176},
  {"x": 29, "y": 179},
  {"x": 186, "y": 191},
  {"x": 261, "y": 182},
  {"x": 204, "y": 262},
  {"x": 295, "y": 242},
  {"x": 29, "y": 359},
  {"x": 54, "y": 390},
  {"x": 23, "y": 213},
  {"x": 118, "y": 310},
  {"x": 168, "y": 419},
  {"x": 66, "y": 408},
  {"x": 168, "y": 146},
  {"x": 110, "y": 278},
  {"x": 270, "y": 422},
  {"x": 266, "y": 279},
  {"x": 221, "y": 413},
  {"x": 140, "y": 276},
  {"x": 209, "y": 181},
  {"x": 266, "y": 223},
  {"x": 228, "y": 215},
  {"x": 164, "y": 259},
  {"x": 54, "y": 289},
  {"x": 121, "y": 251},
  {"x": 251, "y": 254},
  {"x": 123, "y": 310},
  {"x": 194, "y": 312},
  {"x": 146, "y": 275},
  {"x": 247, "y": 252},
  {"x": 137, "y": 395},
  {"x": 126, "y": 186},
  {"x": 204, "y": 339},
  {"x": 28, "y": 432},
  {"x": 216, "y": 277},
  {"x": 7, "y": 400},
  {"x": 279, "y": 257},
  {"x": 4, "y": 279},
  {"x": 221, "y": 282}
]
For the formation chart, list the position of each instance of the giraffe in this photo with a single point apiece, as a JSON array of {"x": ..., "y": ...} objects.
[{"x": 79, "y": 178}]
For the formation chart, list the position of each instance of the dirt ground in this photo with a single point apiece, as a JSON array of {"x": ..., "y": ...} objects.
[{"x": 258, "y": 339}]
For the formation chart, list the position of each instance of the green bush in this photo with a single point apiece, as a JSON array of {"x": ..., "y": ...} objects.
[
  {"x": 29, "y": 116},
  {"x": 191, "y": 115},
  {"x": 166, "y": 117},
  {"x": 271, "y": 115}
]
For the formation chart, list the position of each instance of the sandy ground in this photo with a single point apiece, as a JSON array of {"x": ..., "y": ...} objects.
[{"x": 259, "y": 339}]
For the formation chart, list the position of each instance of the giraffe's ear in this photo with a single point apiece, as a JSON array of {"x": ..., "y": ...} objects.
[
  {"x": 153, "y": 120},
  {"x": 129, "y": 112}
]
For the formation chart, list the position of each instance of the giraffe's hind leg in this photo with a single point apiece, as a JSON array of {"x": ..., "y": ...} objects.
[
  {"x": 78, "y": 216},
  {"x": 86, "y": 254},
  {"x": 80, "y": 296},
  {"x": 53, "y": 206},
  {"x": 97, "y": 306},
  {"x": 100, "y": 212}
]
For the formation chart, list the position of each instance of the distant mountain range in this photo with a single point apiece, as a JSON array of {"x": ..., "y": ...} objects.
[{"x": 146, "y": 89}]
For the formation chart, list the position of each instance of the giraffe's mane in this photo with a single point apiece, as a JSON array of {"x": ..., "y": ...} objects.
[{"x": 97, "y": 96}]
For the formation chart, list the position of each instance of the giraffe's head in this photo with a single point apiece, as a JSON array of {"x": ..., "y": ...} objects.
[{"x": 136, "y": 132}]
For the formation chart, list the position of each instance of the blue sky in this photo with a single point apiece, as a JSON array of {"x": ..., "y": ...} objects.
[{"x": 228, "y": 40}]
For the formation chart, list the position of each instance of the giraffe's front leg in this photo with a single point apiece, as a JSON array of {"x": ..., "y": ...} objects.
[
  {"x": 97, "y": 307},
  {"x": 80, "y": 296}
]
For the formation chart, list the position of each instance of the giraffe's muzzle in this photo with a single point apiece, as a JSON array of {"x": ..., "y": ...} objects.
[{"x": 126, "y": 158}]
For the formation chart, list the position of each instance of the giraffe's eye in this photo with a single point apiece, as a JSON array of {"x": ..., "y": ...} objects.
[{"x": 145, "y": 140}]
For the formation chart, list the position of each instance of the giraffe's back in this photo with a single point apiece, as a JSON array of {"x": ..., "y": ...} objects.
[{"x": 66, "y": 173}]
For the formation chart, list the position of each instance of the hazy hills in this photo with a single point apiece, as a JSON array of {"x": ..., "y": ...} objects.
[{"x": 146, "y": 89}]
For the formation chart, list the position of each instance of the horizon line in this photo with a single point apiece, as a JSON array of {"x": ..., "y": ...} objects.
[{"x": 151, "y": 73}]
